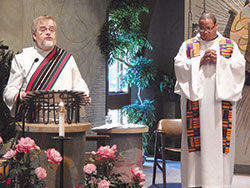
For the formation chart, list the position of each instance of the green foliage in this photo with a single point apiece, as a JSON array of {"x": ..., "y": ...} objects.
[
  {"x": 168, "y": 83},
  {"x": 21, "y": 171},
  {"x": 121, "y": 37},
  {"x": 7, "y": 125},
  {"x": 141, "y": 113},
  {"x": 140, "y": 73}
]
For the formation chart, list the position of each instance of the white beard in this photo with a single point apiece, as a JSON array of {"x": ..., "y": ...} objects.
[{"x": 48, "y": 43}]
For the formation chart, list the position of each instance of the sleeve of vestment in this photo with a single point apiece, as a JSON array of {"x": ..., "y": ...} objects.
[
  {"x": 230, "y": 76},
  {"x": 14, "y": 83},
  {"x": 78, "y": 82},
  {"x": 189, "y": 78}
]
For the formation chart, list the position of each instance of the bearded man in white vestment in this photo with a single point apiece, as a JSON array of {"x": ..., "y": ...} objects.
[
  {"x": 26, "y": 64},
  {"x": 210, "y": 72}
]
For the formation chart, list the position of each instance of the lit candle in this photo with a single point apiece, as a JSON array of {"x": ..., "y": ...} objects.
[{"x": 61, "y": 119}]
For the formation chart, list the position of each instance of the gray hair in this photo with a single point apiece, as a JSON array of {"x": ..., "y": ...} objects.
[
  {"x": 38, "y": 19},
  {"x": 207, "y": 16}
]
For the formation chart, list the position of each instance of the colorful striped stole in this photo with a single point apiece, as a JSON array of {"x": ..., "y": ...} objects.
[
  {"x": 193, "y": 48},
  {"x": 192, "y": 113},
  {"x": 49, "y": 70},
  {"x": 226, "y": 48}
]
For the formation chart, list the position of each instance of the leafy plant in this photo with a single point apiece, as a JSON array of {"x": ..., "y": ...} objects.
[
  {"x": 121, "y": 36},
  {"x": 7, "y": 124},
  {"x": 142, "y": 112},
  {"x": 122, "y": 39},
  {"x": 168, "y": 83}
]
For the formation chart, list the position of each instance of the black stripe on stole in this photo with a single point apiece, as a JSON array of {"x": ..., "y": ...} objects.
[{"x": 49, "y": 69}]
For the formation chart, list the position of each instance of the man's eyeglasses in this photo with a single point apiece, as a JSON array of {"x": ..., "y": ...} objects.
[{"x": 206, "y": 30}]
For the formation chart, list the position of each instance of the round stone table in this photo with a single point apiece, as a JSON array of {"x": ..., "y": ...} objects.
[
  {"x": 74, "y": 150},
  {"x": 129, "y": 143}
]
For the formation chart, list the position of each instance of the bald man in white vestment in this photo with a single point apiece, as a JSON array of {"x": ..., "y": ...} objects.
[{"x": 210, "y": 73}]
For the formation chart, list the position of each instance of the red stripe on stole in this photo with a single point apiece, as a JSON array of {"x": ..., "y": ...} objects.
[
  {"x": 190, "y": 150},
  {"x": 39, "y": 69},
  {"x": 57, "y": 71}
]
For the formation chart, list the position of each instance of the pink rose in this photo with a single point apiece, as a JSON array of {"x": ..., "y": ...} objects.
[
  {"x": 89, "y": 168},
  {"x": 26, "y": 145},
  {"x": 54, "y": 157},
  {"x": 1, "y": 140},
  {"x": 104, "y": 184},
  {"x": 9, "y": 154},
  {"x": 107, "y": 152},
  {"x": 137, "y": 173},
  {"x": 40, "y": 173}
]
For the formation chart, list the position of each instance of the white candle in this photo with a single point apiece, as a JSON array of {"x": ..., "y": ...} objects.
[{"x": 61, "y": 119}]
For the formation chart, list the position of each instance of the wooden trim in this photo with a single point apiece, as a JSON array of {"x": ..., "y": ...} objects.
[{"x": 54, "y": 128}]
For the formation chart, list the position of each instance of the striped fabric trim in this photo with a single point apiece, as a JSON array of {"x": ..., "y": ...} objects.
[
  {"x": 192, "y": 48},
  {"x": 192, "y": 114},
  {"x": 226, "y": 48},
  {"x": 193, "y": 126},
  {"x": 226, "y": 125},
  {"x": 49, "y": 70}
]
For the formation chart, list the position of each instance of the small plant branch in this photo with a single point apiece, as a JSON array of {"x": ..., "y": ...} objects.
[{"x": 139, "y": 95}]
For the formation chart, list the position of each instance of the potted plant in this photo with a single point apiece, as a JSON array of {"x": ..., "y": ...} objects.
[{"x": 122, "y": 39}]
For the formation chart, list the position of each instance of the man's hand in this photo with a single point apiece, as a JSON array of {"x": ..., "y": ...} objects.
[
  {"x": 22, "y": 95},
  {"x": 88, "y": 102},
  {"x": 210, "y": 56}
]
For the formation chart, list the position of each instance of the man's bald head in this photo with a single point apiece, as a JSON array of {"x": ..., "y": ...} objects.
[{"x": 207, "y": 16}]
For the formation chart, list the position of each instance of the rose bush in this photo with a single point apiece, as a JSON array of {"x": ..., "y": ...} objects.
[
  {"x": 98, "y": 173},
  {"x": 21, "y": 160}
]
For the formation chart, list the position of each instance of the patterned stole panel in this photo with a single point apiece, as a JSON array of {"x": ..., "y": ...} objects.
[
  {"x": 193, "y": 126},
  {"x": 192, "y": 114},
  {"x": 226, "y": 124},
  {"x": 192, "y": 48},
  {"x": 226, "y": 48},
  {"x": 49, "y": 70}
]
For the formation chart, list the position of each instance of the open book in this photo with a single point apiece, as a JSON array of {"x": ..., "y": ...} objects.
[{"x": 118, "y": 125}]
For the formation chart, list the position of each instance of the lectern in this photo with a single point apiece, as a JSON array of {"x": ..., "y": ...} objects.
[{"x": 40, "y": 121}]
